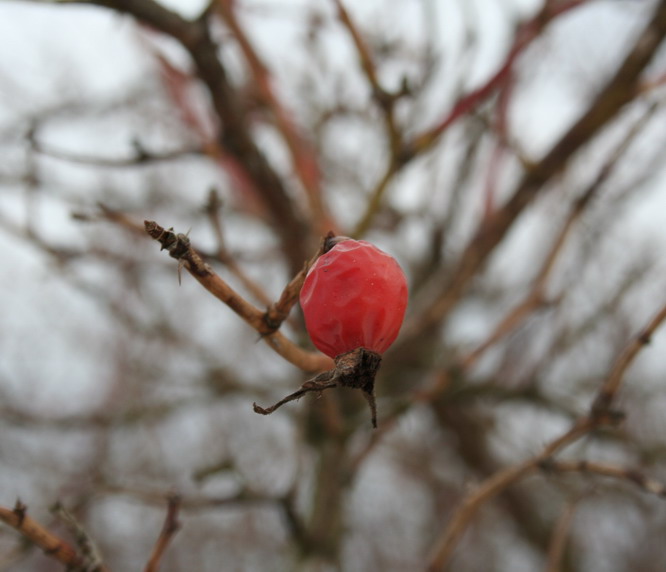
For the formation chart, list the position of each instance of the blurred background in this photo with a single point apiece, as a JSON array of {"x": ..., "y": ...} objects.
[{"x": 447, "y": 133}]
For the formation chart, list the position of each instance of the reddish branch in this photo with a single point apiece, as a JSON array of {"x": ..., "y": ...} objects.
[
  {"x": 235, "y": 136},
  {"x": 537, "y": 296},
  {"x": 169, "y": 528},
  {"x": 618, "y": 91},
  {"x": 403, "y": 152},
  {"x": 525, "y": 35},
  {"x": 303, "y": 156}
]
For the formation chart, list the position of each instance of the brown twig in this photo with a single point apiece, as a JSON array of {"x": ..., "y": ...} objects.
[
  {"x": 303, "y": 157},
  {"x": 490, "y": 488},
  {"x": 386, "y": 102},
  {"x": 169, "y": 528},
  {"x": 179, "y": 247},
  {"x": 140, "y": 158},
  {"x": 558, "y": 541},
  {"x": 601, "y": 415},
  {"x": 279, "y": 310},
  {"x": 630, "y": 475},
  {"x": 52, "y": 545},
  {"x": 536, "y": 297},
  {"x": 617, "y": 92},
  {"x": 87, "y": 548},
  {"x": 609, "y": 389},
  {"x": 213, "y": 208}
]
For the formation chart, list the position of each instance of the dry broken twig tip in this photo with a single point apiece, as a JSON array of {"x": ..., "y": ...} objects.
[{"x": 179, "y": 247}]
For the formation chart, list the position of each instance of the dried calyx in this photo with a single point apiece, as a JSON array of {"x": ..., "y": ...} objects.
[{"x": 355, "y": 369}]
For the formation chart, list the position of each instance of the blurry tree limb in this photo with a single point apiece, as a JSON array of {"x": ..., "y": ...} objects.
[
  {"x": 170, "y": 527},
  {"x": 629, "y": 475},
  {"x": 608, "y": 391},
  {"x": 601, "y": 415},
  {"x": 235, "y": 135},
  {"x": 179, "y": 248},
  {"x": 619, "y": 91},
  {"x": 558, "y": 541},
  {"x": 524, "y": 36},
  {"x": 140, "y": 157},
  {"x": 537, "y": 296},
  {"x": 213, "y": 208},
  {"x": 403, "y": 152},
  {"x": 52, "y": 545},
  {"x": 87, "y": 547},
  {"x": 302, "y": 153},
  {"x": 447, "y": 542}
]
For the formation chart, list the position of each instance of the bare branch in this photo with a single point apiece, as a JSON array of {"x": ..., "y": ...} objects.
[
  {"x": 179, "y": 248},
  {"x": 619, "y": 91},
  {"x": 52, "y": 545},
  {"x": 169, "y": 529}
]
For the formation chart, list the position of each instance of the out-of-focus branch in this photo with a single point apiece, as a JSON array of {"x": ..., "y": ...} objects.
[
  {"x": 140, "y": 157},
  {"x": 52, "y": 545},
  {"x": 629, "y": 475},
  {"x": 213, "y": 208},
  {"x": 609, "y": 389},
  {"x": 446, "y": 544},
  {"x": 235, "y": 135},
  {"x": 302, "y": 154},
  {"x": 169, "y": 529},
  {"x": 525, "y": 35},
  {"x": 386, "y": 102},
  {"x": 179, "y": 248},
  {"x": 536, "y": 297},
  {"x": 600, "y": 416},
  {"x": 558, "y": 541},
  {"x": 619, "y": 91}
]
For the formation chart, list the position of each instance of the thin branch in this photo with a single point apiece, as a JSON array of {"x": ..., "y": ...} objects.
[
  {"x": 600, "y": 416},
  {"x": 490, "y": 488},
  {"x": 630, "y": 475},
  {"x": 179, "y": 248},
  {"x": 87, "y": 547},
  {"x": 303, "y": 156},
  {"x": 609, "y": 389},
  {"x": 213, "y": 208},
  {"x": 141, "y": 157},
  {"x": 620, "y": 90},
  {"x": 169, "y": 528},
  {"x": 386, "y": 102},
  {"x": 558, "y": 541},
  {"x": 52, "y": 545},
  {"x": 278, "y": 311},
  {"x": 536, "y": 297},
  {"x": 525, "y": 35}
]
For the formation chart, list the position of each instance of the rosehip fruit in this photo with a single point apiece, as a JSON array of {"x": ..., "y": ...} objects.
[
  {"x": 354, "y": 299},
  {"x": 354, "y": 296}
]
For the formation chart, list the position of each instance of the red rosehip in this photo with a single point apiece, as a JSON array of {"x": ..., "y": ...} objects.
[{"x": 354, "y": 296}]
